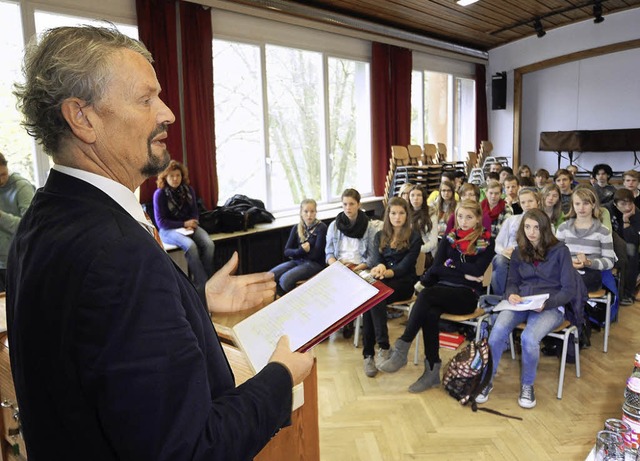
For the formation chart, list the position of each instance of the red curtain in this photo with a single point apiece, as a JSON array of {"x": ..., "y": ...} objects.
[
  {"x": 157, "y": 29},
  {"x": 482, "y": 127},
  {"x": 197, "y": 65},
  {"x": 390, "y": 106}
]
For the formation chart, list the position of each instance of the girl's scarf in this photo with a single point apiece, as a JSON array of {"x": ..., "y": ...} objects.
[
  {"x": 354, "y": 229},
  {"x": 178, "y": 198},
  {"x": 457, "y": 239},
  {"x": 496, "y": 211},
  {"x": 308, "y": 231}
]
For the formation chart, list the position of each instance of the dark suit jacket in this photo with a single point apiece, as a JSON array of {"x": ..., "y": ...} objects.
[{"x": 113, "y": 354}]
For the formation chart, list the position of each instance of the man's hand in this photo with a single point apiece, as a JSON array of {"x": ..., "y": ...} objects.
[
  {"x": 232, "y": 293},
  {"x": 299, "y": 365},
  {"x": 507, "y": 252}
]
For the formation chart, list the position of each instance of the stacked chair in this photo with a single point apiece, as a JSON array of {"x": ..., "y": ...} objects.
[{"x": 422, "y": 165}]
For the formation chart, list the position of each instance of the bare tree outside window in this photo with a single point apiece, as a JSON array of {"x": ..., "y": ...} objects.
[
  {"x": 316, "y": 111},
  {"x": 239, "y": 120}
]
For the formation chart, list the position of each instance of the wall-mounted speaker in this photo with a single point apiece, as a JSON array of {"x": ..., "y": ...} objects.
[{"x": 499, "y": 91}]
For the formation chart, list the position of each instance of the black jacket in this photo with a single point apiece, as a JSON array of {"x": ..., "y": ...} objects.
[{"x": 113, "y": 354}]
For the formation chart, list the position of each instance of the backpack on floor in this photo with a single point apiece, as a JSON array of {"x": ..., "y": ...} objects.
[{"x": 468, "y": 372}]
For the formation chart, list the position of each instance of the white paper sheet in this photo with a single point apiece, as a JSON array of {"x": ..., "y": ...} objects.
[{"x": 303, "y": 313}]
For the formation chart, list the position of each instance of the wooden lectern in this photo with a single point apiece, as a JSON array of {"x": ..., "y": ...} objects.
[{"x": 301, "y": 440}]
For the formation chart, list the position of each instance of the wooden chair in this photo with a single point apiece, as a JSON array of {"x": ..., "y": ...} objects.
[
  {"x": 563, "y": 332},
  {"x": 415, "y": 154},
  {"x": 430, "y": 154},
  {"x": 400, "y": 155},
  {"x": 472, "y": 161},
  {"x": 442, "y": 152},
  {"x": 486, "y": 147}
]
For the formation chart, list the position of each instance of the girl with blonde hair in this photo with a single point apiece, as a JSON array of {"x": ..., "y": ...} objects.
[{"x": 304, "y": 249}]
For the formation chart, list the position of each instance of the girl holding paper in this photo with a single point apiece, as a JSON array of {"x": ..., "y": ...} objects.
[
  {"x": 396, "y": 249},
  {"x": 540, "y": 264},
  {"x": 452, "y": 285}
]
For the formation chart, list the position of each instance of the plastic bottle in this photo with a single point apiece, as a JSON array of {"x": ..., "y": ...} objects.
[{"x": 631, "y": 407}]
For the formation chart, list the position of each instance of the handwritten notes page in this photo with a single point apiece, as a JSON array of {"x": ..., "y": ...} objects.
[
  {"x": 303, "y": 313},
  {"x": 528, "y": 303}
]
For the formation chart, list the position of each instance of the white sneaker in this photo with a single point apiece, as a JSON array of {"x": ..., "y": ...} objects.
[
  {"x": 527, "y": 397},
  {"x": 483, "y": 396}
]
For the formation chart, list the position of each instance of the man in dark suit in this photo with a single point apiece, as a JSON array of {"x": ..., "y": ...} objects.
[{"x": 113, "y": 353}]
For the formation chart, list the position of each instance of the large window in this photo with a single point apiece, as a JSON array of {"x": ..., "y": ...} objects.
[
  {"x": 15, "y": 143},
  {"x": 290, "y": 123},
  {"x": 443, "y": 110}
]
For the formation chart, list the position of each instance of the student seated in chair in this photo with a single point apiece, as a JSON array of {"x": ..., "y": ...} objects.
[
  {"x": 541, "y": 178},
  {"x": 589, "y": 241},
  {"x": 550, "y": 203},
  {"x": 602, "y": 174},
  {"x": 495, "y": 207},
  {"x": 350, "y": 238},
  {"x": 444, "y": 206},
  {"x": 423, "y": 219},
  {"x": 452, "y": 285},
  {"x": 395, "y": 251},
  {"x": 446, "y": 176},
  {"x": 469, "y": 191},
  {"x": 563, "y": 180},
  {"x": 630, "y": 180},
  {"x": 625, "y": 220},
  {"x": 304, "y": 250},
  {"x": 539, "y": 265},
  {"x": 511, "y": 187},
  {"x": 506, "y": 241}
]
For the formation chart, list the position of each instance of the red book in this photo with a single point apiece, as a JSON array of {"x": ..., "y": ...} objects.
[{"x": 451, "y": 340}]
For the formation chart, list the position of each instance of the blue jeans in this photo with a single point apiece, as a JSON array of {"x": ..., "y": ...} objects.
[
  {"x": 538, "y": 325},
  {"x": 290, "y": 272},
  {"x": 499, "y": 274},
  {"x": 198, "y": 249}
]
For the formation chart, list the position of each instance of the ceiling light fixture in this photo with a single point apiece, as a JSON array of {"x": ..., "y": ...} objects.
[
  {"x": 465, "y": 2},
  {"x": 537, "y": 25},
  {"x": 597, "y": 12}
]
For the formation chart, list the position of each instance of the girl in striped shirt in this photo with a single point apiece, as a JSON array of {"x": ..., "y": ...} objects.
[{"x": 588, "y": 240}]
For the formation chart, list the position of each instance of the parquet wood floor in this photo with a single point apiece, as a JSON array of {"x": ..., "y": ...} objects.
[{"x": 377, "y": 419}]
